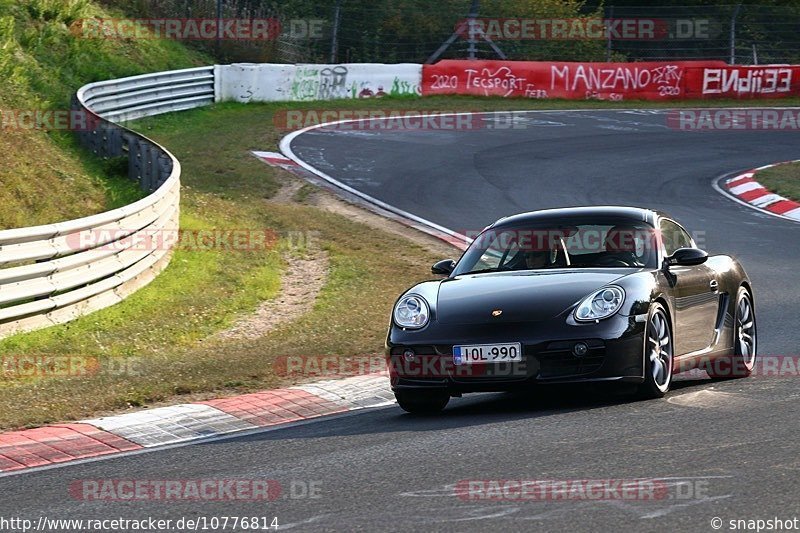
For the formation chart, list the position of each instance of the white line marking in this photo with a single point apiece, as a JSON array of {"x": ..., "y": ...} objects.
[{"x": 286, "y": 148}]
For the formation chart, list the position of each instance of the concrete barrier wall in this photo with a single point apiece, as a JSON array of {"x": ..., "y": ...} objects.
[{"x": 250, "y": 82}]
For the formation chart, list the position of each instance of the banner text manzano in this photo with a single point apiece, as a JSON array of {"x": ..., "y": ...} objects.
[{"x": 609, "y": 81}]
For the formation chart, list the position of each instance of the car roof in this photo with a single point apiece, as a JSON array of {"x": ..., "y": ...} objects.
[{"x": 635, "y": 214}]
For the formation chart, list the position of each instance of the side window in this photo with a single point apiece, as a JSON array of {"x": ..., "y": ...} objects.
[
  {"x": 674, "y": 237},
  {"x": 490, "y": 259},
  {"x": 502, "y": 248}
]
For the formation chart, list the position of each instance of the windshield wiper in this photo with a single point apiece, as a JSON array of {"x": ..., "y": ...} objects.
[{"x": 485, "y": 270}]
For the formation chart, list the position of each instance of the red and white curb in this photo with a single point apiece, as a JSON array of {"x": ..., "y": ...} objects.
[
  {"x": 275, "y": 159},
  {"x": 747, "y": 190},
  {"x": 175, "y": 424}
]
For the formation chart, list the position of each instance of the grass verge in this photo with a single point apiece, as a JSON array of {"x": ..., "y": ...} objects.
[
  {"x": 45, "y": 177},
  {"x": 782, "y": 179}
]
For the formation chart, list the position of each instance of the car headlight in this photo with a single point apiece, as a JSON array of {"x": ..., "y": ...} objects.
[
  {"x": 601, "y": 304},
  {"x": 411, "y": 311}
]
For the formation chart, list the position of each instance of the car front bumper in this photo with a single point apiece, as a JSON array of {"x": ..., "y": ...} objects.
[{"x": 615, "y": 354}]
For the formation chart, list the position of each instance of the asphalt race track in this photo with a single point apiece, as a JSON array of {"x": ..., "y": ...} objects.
[
  {"x": 467, "y": 179},
  {"x": 724, "y": 450}
]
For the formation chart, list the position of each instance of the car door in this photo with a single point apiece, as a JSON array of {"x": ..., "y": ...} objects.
[{"x": 695, "y": 292}]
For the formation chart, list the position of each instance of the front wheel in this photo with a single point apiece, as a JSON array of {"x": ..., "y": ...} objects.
[
  {"x": 658, "y": 354},
  {"x": 745, "y": 339},
  {"x": 422, "y": 402}
]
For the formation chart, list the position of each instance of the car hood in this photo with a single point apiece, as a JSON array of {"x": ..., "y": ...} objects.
[{"x": 522, "y": 296}]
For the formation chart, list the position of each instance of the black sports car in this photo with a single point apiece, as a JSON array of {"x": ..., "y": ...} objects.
[{"x": 585, "y": 294}]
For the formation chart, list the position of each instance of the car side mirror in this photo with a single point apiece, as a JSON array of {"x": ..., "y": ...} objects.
[
  {"x": 443, "y": 268},
  {"x": 687, "y": 257}
]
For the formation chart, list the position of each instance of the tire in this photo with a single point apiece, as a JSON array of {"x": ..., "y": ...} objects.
[
  {"x": 422, "y": 402},
  {"x": 745, "y": 342},
  {"x": 659, "y": 355}
]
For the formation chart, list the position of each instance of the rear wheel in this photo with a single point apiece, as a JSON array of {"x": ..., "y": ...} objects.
[
  {"x": 422, "y": 402},
  {"x": 745, "y": 340},
  {"x": 658, "y": 354}
]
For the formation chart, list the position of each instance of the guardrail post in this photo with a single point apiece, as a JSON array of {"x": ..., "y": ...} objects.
[
  {"x": 75, "y": 107},
  {"x": 146, "y": 169},
  {"x": 134, "y": 159},
  {"x": 101, "y": 139},
  {"x": 112, "y": 135},
  {"x": 95, "y": 141},
  {"x": 165, "y": 168},
  {"x": 155, "y": 168}
]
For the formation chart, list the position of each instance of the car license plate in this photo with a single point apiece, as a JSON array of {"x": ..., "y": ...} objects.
[{"x": 487, "y": 353}]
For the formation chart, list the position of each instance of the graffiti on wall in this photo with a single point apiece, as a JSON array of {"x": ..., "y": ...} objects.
[
  {"x": 520, "y": 79},
  {"x": 319, "y": 83},
  {"x": 595, "y": 81},
  {"x": 609, "y": 81},
  {"x": 328, "y": 82},
  {"x": 747, "y": 81},
  {"x": 570, "y": 80}
]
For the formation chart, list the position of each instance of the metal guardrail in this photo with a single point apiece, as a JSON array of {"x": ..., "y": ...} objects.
[{"x": 54, "y": 273}]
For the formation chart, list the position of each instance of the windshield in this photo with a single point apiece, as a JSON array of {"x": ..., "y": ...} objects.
[{"x": 611, "y": 243}]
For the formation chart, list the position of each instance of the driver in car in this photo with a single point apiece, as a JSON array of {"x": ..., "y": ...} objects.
[
  {"x": 621, "y": 245},
  {"x": 538, "y": 259}
]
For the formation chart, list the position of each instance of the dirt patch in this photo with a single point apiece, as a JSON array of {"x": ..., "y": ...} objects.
[
  {"x": 306, "y": 276},
  {"x": 288, "y": 190},
  {"x": 328, "y": 201},
  {"x": 301, "y": 283}
]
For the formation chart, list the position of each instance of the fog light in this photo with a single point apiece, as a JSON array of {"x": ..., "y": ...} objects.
[
  {"x": 409, "y": 355},
  {"x": 580, "y": 349}
]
